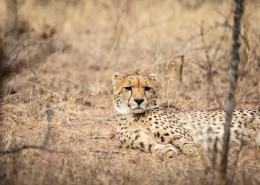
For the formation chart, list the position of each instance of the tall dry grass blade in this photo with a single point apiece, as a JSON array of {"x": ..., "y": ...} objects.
[
  {"x": 180, "y": 71},
  {"x": 170, "y": 70}
]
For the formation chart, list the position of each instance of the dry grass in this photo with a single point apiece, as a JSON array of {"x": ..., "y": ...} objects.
[{"x": 96, "y": 38}]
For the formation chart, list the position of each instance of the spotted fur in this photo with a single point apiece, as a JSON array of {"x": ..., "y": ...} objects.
[{"x": 144, "y": 125}]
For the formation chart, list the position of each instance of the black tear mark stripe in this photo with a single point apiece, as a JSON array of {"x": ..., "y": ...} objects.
[{"x": 130, "y": 96}]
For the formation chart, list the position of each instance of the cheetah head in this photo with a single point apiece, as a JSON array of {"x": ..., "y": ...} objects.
[{"x": 134, "y": 92}]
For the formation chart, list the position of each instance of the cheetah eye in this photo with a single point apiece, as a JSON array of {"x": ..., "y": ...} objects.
[
  {"x": 147, "y": 88},
  {"x": 128, "y": 88}
]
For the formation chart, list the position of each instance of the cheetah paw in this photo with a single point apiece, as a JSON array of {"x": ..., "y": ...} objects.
[{"x": 166, "y": 150}]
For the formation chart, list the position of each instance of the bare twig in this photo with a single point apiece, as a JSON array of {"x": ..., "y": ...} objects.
[
  {"x": 232, "y": 176},
  {"x": 233, "y": 84},
  {"x": 210, "y": 80},
  {"x": 50, "y": 114},
  {"x": 99, "y": 137},
  {"x": 35, "y": 147},
  {"x": 209, "y": 68},
  {"x": 197, "y": 35},
  {"x": 65, "y": 112},
  {"x": 13, "y": 64},
  {"x": 214, "y": 155},
  {"x": 2, "y": 69},
  {"x": 106, "y": 151},
  {"x": 181, "y": 68},
  {"x": 44, "y": 145}
]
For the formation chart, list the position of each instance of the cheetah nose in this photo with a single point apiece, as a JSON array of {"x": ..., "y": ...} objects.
[{"x": 139, "y": 100}]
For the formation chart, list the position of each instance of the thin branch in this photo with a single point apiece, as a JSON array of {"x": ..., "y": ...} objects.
[
  {"x": 210, "y": 80},
  {"x": 209, "y": 68},
  {"x": 233, "y": 84},
  {"x": 99, "y": 137},
  {"x": 233, "y": 173},
  {"x": 15, "y": 53},
  {"x": 197, "y": 35},
  {"x": 106, "y": 151},
  {"x": 12, "y": 66},
  {"x": 50, "y": 114},
  {"x": 36, "y": 147},
  {"x": 42, "y": 146},
  {"x": 65, "y": 112}
]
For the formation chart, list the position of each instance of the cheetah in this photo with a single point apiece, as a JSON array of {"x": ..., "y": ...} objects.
[{"x": 145, "y": 126}]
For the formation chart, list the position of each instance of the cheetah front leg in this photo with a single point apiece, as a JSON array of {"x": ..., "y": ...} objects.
[
  {"x": 187, "y": 146},
  {"x": 141, "y": 139},
  {"x": 180, "y": 139}
]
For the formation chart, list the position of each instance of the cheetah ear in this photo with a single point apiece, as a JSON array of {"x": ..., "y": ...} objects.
[
  {"x": 153, "y": 76},
  {"x": 115, "y": 77}
]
